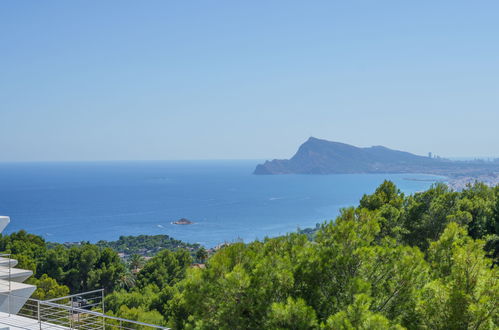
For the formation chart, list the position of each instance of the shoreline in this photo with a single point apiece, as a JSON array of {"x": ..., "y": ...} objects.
[{"x": 460, "y": 183}]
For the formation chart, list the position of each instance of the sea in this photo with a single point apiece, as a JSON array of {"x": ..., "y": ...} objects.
[{"x": 92, "y": 201}]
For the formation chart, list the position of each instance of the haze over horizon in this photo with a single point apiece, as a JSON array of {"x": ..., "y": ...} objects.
[
  {"x": 122, "y": 80},
  {"x": 458, "y": 158}
]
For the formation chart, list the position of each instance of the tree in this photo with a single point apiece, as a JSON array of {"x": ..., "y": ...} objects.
[
  {"x": 492, "y": 248},
  {"x": 136, "y": 262},
  {"x": 426, "y": 215},
  {"x": 48, "y": 288},
  {"x": 479, "y": 201},
  {"x": 139, "y": 314},
  {"x": 386, "y": 194},
  {"x": 201, "y": 255},
  {"x": 28, "y": 249},
  {"x": 465, "y": 291},
  {"x": 358, "y": 316},
  {"x": 55, "y": 262},
  {"x": 133, "y": 298},
  {"x": 249, "y": 285},
  {"x": 164, "y": 269},
  {"x": 126, "y": 280},
  {"x": 293, "y": 315},
  {"x": 237, "y": 288}
]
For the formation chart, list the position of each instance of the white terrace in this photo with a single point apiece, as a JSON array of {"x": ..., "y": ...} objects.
[{"x": 79, "y": 311}]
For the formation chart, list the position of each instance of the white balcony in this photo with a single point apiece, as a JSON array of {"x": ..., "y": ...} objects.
[
  {"x": 7, "y": 262},
  {"x": 4, "y": 221},
  {"x": 81, "y": 311},
  {"x": 14, "y": 274},
  {"x": 13, "y": 295}
]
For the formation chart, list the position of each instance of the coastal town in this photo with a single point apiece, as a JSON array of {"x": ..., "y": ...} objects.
[{"x": 461, "y": 182}]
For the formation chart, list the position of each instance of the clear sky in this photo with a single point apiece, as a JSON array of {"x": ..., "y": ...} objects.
[{"x": 126, "y": 80}]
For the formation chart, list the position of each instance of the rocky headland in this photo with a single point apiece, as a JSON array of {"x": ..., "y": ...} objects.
[{"x": 317, "y": 156}]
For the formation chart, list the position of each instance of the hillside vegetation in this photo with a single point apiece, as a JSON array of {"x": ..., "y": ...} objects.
[
  {"x": 425, "y": 261},
  {"x": 146, "y": 245}
]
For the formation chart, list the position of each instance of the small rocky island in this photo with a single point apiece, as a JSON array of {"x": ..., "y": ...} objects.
[{"x": 182, "y": 221}]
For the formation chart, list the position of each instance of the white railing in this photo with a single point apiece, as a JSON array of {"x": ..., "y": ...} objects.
[
  {"x": 79, "y": 311},
  {"x": 74, "y": 313},
  {"x": 6, "y": 283},
  {"x": 6, "y": 273},
  {"x": 90, "y": 300}
]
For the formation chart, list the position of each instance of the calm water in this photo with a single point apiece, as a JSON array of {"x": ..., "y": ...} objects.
[{"x": 66, "y": 202}]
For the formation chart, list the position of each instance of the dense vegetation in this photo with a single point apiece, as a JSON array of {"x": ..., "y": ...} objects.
[
  {"x": 78, "y": 268},
  {"x": 61, "y": 269},
  {"x": 395, "y": 261},
  {"x": 146, "y": 245},
  {"x": 423, "y": 261}
]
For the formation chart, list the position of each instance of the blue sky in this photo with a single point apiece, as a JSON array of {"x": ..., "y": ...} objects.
[{"x": 123, "y": 80}]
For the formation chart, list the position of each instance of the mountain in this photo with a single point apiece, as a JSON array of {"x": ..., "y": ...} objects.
[{"x": 317, "y": 156}]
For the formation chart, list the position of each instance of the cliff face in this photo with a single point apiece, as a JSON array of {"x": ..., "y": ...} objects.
[{"x": 317, "y": 156}]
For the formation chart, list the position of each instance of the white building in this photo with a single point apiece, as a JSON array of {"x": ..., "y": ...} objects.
[{"x": 78, "y": 311}]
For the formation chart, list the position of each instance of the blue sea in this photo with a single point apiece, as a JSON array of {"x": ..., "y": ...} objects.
[{"x": 71, "y": 202}]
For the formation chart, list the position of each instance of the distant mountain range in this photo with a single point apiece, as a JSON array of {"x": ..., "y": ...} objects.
[{"x": 317, "y": 156}]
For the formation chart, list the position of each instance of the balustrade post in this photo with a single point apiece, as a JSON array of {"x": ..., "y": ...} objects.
[
  {"x": 39, "y": 316},
  {"x": 71, "y": 313}
]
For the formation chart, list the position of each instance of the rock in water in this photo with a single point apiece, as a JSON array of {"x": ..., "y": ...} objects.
[{"x": 183, "y": 221}]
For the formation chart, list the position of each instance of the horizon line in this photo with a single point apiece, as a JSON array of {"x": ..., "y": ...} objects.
[{"x": 130, "y": 160}]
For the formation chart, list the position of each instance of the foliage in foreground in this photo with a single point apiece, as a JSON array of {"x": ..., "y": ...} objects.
[
  {"x": 394, "y": 262},
  {"x": 59, "y": 269}
]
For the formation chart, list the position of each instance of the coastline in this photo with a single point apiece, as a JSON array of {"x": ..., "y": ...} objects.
[
  {"x": 223, "y": 199},
  {"x": 461, "y": 182}
]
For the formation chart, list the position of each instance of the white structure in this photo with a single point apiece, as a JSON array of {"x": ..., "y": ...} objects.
[
  {"x": 13, "y": 292},
  {"x": 20, "y": 312}
]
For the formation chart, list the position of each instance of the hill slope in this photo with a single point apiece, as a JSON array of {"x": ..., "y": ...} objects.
[{"x": 317, "y": 156}]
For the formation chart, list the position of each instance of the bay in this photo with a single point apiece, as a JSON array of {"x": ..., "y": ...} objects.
[{"x": 90, "y": 201}]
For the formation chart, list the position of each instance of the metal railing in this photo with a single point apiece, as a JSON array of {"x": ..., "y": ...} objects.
[
  {"x": 72, "y": 314},
  {"x": 80, "y": 311},
  {"x": 90, "y": 300},
  {"x": 6, "y": 272},
  {"x": 6, "y": 277}
]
